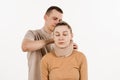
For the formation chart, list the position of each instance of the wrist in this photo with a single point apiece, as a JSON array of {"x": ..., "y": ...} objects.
[{"x": 49, "y": 41}]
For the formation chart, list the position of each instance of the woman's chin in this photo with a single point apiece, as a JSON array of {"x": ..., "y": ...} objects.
[{"x": 62, "y": 47}]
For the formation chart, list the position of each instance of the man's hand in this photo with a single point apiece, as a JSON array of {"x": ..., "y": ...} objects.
[
  {"x": 75, "y": 46},
  {"x": 49, "y": 41}
]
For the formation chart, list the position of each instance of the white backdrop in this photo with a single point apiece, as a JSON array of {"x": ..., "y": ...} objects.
[{"x": 96, "y": 28}]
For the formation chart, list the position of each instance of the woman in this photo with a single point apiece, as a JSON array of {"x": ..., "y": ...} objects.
[{"x": 63, "y": 63}]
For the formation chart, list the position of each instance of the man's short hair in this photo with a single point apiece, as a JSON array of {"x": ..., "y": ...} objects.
[{"x": 53, "y": 8}]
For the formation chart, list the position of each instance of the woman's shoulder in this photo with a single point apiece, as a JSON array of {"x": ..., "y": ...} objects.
[
  {"x": 48, "y": 55},
  {"x": 79, "y": 54}
]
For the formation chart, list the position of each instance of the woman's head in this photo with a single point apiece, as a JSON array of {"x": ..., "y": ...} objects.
[{"x": 62, "y": 34}]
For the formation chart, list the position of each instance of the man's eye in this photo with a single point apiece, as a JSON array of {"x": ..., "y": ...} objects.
[
  {"x": 55, "y": 18},
  {"x": 60, "y": 20}
]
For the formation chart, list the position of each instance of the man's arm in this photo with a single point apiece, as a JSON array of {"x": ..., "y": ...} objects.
[{"x": 30, "y": 45}]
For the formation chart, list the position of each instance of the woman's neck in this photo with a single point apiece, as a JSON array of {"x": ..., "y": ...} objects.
[{"x": 63, "y": 52}]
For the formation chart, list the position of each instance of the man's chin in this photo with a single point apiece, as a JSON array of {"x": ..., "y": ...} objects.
[{"x": 51, "y": 30}]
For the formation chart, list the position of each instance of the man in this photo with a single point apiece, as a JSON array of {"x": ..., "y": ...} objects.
[{"x": 37, "y": 42}]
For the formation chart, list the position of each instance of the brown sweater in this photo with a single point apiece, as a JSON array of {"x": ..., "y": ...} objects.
[{"x": 73, "y": 67}]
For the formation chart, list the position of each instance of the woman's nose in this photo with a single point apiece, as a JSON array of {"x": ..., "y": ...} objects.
[{"x": 61, "y": 38}]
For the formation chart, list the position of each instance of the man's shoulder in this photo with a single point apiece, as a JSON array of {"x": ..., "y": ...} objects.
[
  {"x": 31, "y": 34},
  {"x": 34, "y": 31}
]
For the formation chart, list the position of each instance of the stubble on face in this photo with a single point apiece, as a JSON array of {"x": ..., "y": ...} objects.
[{"x": 53, "y": 18}]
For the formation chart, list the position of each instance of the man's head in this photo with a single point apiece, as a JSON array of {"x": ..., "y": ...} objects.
[
  {"x": 53, "y": 8},
  {"x": 52, "y": 16}
]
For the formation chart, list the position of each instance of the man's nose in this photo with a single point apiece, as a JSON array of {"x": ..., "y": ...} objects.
[{"x": 57, "y": 21}]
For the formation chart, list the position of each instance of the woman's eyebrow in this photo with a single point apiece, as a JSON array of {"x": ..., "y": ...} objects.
[
  {"x": 65, "y": 31},
  {"x": 56, "y": 32}
]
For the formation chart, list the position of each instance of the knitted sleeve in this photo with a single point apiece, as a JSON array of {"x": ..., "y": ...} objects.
[
  {"x": 44, "y": 69},
  {"x": 83, "y": 69}
]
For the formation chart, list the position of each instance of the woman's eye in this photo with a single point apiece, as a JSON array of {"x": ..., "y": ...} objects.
[
  {"x": 57, "y": 35},
  {"x": 64, "y": 34}
]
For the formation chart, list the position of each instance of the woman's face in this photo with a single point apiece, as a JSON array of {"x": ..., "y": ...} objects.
[{"x": 62, "y": 36}]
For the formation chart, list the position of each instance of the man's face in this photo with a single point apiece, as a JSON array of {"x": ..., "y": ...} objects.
[
  {"x": 62, "y": 36},
  {"x": 52, "y": 19}
]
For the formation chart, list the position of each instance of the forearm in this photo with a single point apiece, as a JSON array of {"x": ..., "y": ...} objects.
[{"x": 29, "y": 45}]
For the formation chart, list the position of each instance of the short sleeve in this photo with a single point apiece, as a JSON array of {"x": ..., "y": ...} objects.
[{"x": 29, "y": 35}]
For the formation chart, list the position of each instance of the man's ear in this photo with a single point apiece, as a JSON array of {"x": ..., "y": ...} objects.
[{"x": 45, "y": 17}]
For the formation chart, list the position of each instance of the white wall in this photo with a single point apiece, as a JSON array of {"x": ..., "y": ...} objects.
[{"x": 96, "y": 27}]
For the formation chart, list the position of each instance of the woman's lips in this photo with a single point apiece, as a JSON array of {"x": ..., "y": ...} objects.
[{"x": 61, "y": 42}]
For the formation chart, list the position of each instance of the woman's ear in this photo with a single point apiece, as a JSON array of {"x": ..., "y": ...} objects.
[{"x": 71, "y": 36}]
